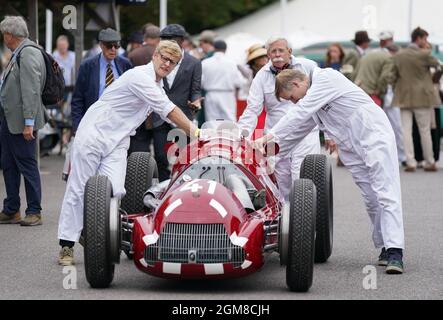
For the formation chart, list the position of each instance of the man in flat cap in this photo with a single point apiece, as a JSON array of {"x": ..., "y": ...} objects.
[
  {"x": 143, "y": 55},
  {"x": 182, "y": 86},
  {"x": 96, "y": 74}
]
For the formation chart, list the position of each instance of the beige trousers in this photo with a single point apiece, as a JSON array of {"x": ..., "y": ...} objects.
[{"x": 423, "y": 118}]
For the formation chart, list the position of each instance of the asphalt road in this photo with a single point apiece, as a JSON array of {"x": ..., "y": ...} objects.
[{"x": 29, "y": 269}]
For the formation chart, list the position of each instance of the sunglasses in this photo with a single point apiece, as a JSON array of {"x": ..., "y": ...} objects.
[
  {"x": 109, "y": 45},
  {"x": 166, "y": 60}
]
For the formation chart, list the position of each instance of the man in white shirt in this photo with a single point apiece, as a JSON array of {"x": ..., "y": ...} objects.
[
  {"x": 65, "y": 59},
  {"x": 102, "y": 138},
  {"x": 221, "y": 79},
  {"x": 261, "y": 94},
  {"x": 365, "y": 140}
]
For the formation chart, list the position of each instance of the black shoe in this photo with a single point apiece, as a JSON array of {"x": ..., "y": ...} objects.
[
  {"x": 383, "y": 258},
  {"x": 395, "y": 261}
]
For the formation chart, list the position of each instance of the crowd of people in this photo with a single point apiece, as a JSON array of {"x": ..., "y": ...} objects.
[{"x": 123, "y": 101}]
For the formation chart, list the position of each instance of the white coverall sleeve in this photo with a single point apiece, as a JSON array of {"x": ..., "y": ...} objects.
[
  {"x": 249, "y": 118},
  {"x": 290, "y": 130},
  {"x": 154, "y": 97}
]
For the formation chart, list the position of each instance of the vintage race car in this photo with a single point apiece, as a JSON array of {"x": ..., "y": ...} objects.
[{"x": 216, "y": 217}]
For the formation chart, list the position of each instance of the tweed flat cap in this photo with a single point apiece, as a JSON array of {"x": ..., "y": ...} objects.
[
  {"x": 109, "y": 35},
  {"x": 173, "y": 30}
]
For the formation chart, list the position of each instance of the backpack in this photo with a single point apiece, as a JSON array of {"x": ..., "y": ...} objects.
[{"x": 54, "y": 89}]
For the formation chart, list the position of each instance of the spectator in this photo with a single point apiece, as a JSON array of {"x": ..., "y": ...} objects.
[
  {"x": 414, "y": 94},
  {"x": 22, "y": 114},
  {"x": 221, "y": 79},
  {"x": 393, "y": 112},
  {"x": 65, "y": 59},
  {"x": 182, "y": 86},
  {"x": 257, "y": 58},
  {"x": 135, "y": 41},
  {"x": 97, "y": 73},
  {"x": 206, "y": 41},
  {"x": 352, "y": 57},
  {"x": 386, "y": 38},
  {"x": 334, "y": 57},
  {"x": 143, "y": 54},
  {"x": 373, "y": 73}
]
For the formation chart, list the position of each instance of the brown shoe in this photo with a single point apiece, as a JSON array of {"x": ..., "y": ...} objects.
[
  {"x": 431, "y": 168},
  {"x": 10, "y": 219},
  {"x": 31, "y": 220},
  {"x": 410, "y": 169},
  {"x": 66, "y": 256}
]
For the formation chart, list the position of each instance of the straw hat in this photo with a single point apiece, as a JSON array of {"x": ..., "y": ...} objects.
[{"x": 255, "y": 51}]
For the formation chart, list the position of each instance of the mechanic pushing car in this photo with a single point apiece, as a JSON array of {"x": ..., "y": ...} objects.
[
  {"x": 365, "y": 140},
  {"x": 102, "y": 139}
]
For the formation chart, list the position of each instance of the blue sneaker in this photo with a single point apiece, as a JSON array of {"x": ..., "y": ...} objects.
[
  {"x": 395, "y": 261},
  {"x": 383, "y": 258}
]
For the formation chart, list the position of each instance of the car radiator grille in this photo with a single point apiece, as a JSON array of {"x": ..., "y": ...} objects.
[{"x": 194, "y": 243}]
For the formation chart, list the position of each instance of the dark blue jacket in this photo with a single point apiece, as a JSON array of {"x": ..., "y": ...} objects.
[{"x": 88, "y": 84}]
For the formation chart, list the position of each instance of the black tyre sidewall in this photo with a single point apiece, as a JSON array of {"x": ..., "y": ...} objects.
[
  {"x": 98, "y": 266},
  {"x": 301, "y": 246},
  {"x": 317, "y": 168},
  {"x": 140, "y": 171}
]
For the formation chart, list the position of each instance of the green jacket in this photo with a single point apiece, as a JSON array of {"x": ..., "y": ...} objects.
[
  {"x": 350, "y": 62},
  {"x": 374, "y": 72},
  {"x": 413, "y": 86},
  {"x": 21, "y": 90}
]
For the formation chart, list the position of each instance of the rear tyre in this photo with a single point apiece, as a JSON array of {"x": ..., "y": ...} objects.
[
  {"x": 317, "y": 168},
  {"x": 99, "y": 266},
  {"x": 301, "y": 240},
  {"x": 141, "y": 170}
]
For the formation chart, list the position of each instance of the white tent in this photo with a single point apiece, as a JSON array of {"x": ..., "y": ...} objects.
[{"x": 310, "y": 21}]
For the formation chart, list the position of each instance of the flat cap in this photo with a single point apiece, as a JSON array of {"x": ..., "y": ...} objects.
[
  {"x": 207, "y": 36},
  {"x": 109, "y": 35},
  {"x": 385, "y": 35},
  {"x": 173, "y": 30},
  {"x": 136, "y": 37}
]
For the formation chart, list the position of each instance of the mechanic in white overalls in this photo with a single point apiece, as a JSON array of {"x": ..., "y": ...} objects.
[
  {"x": 262, "y": 94},
  {"x": 102, "y": 139},
  {"x": 221, "y": 79},
  {"x": 365, "y": 140}
]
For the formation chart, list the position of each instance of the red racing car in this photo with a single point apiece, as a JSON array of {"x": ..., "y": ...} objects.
[{"x": 216, "y": 217}]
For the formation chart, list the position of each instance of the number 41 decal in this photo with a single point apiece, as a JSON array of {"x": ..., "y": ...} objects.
[{"x": 194, "y": 186}]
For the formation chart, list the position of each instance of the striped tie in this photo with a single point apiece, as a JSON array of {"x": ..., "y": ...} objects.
[{"x": 109, "y": 76}]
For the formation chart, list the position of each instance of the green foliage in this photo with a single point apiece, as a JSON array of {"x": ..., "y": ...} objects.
[{"x": 194, "y": 15}]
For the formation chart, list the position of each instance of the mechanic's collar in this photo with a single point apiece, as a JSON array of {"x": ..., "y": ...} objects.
[{"x": 276, "y": 71}]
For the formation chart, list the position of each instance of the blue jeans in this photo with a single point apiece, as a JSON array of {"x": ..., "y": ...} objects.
[{"x": 18, "y": 158}]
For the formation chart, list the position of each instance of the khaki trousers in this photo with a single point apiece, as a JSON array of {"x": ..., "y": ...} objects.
[{"x": 423, "y": 118}]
